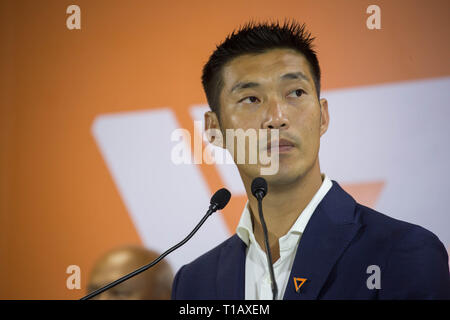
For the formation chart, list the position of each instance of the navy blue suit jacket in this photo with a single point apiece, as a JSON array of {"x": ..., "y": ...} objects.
[{"x": 341, "y": 240}]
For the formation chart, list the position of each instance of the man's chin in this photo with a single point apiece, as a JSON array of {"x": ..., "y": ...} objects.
[{"x": 280, "y": 175}]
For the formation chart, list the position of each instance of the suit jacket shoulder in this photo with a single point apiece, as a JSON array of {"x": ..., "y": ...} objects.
[
  {"x": 411, "y": 260},
  {"x": 200, "y": 278},
  {"x": 416, "y": 263}
]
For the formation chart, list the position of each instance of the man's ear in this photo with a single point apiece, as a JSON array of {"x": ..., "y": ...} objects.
[
  {"x": 212, "y": 129},
  {"x": 324, "y": 116}
]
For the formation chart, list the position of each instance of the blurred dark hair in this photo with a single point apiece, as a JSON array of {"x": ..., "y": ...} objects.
[{"x": 255, "y": 38}]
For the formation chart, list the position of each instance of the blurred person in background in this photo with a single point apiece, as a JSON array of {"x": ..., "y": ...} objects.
[{"x": 152, "y": 284}]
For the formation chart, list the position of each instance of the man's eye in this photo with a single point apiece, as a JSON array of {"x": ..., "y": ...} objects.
[
  {"x": 297, "y": 93},
  {"x": 251, "y": 99},
  {"x": 120, "y": 294}
]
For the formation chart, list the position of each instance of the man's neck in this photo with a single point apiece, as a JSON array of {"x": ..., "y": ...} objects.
[{"x": 282, "y": 206}]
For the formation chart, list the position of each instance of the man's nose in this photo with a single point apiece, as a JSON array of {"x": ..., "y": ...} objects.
[{"x": 275, "y": 117}]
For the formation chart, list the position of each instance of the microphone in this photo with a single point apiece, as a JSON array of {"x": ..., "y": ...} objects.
[
  {"x": 259, "y": 191},
  {"x": 218, "y": 201}
]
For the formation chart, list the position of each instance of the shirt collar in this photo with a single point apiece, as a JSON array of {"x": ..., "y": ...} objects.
[{"x": 244, "y": 230}]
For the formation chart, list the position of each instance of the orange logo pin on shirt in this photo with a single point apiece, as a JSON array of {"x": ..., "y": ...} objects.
[{"x": 298, "y": 283}]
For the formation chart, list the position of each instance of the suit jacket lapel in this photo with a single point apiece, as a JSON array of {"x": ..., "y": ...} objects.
[
  {"x": 327, "y": 234},
  {"x": 231, "y": 270}
]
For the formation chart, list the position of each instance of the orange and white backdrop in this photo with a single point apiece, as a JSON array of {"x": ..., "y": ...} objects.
[{"x": 87, "y": 116}]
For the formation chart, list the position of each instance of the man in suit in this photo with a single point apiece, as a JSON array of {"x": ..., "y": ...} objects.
[{"x": 324, "y": 245}]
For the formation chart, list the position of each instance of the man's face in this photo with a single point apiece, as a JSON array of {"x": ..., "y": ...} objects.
[{"x": 274, "y": 90}]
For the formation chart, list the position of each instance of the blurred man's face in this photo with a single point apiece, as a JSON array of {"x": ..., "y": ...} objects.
[
  {"x": 120, "y": 262},
  {"x": 136, "y": 288},
  {"x": 274, "y": 90}
]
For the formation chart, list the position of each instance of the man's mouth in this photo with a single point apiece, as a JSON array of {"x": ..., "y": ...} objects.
[{"x": 283, "y": 145}]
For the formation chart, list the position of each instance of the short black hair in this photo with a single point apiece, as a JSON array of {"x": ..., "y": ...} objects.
[{"x": 255, "y": 38}]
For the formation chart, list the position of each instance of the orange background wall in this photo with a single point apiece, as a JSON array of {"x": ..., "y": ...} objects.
[{"x": 58, "y": 203}]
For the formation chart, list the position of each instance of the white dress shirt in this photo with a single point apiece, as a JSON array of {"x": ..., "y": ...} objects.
[{"x": 257, "y": 276}]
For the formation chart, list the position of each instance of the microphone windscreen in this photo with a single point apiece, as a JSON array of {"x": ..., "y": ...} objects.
[
  {"x": 221, "y": 198},
  {"x": 259, "y": 185}
]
